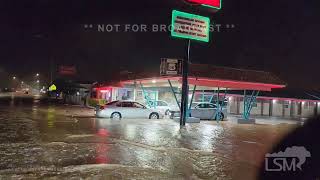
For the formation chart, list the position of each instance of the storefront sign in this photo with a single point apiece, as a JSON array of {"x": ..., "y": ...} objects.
[{"x": 190, "y": 26}]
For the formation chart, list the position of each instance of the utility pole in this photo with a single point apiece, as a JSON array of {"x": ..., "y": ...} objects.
[
  {"x": 185, "y": 87},
  {"x": 51, "y": 71}
]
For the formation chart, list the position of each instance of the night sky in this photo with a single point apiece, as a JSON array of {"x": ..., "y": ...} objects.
[{"x": 280, "y": 36}]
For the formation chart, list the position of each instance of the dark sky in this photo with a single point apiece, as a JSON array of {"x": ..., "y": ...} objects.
[{"x": 281, "y": 36}]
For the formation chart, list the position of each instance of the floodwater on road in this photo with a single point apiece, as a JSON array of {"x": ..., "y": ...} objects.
[{"x": 48, "y": 141}]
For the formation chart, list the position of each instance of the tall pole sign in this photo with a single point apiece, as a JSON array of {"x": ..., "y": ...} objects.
[{"x": 191, "y": 27}]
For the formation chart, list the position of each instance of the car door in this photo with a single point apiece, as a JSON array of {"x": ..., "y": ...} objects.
[
  {"x": 197, "y": 111},
  {"x": 139, "y": 111},
  {"x": 162, "y": 106},
  {"x": 203, "y": 111},
  {"x": 206, "y": 111},
  {"x": 126, "y": 109},
  {"x": 211, "y": 111},
  {"x": 159, "y": 105}
]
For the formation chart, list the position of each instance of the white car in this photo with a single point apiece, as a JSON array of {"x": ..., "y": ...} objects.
[
  {"x": 127, "y": 109},
  {"x": 206, "y": 111},
  {"x": 203, "y": 111},
  {"x": 164, "y": 107}
]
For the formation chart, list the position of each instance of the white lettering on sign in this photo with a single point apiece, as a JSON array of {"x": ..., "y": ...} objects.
[{"x": 190, "y": 26}]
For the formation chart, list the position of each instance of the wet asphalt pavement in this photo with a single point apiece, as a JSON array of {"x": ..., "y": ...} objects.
[{"x": 39, "y": 140}]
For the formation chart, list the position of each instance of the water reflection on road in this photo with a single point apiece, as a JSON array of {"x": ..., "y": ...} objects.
[{"x": 36, "y": 134}]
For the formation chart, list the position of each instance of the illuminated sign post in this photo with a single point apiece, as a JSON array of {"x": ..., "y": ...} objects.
[
  {"x": 190, "y": 26},
  {"x": 216, "y": 4}
]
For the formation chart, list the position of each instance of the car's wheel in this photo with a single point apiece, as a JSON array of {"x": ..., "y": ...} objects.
[
  {"x": 167, "y": 112},
  {"x": 154, "y": 116},
  {"x": 116, "y": 116}
]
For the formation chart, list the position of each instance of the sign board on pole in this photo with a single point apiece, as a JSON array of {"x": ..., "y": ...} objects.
[
  {"x": 171, "y": 67},
  {"x": 190, "y": 26},
  {"x": 52, "y": 88},
  {"x": 216, "y": 4}
]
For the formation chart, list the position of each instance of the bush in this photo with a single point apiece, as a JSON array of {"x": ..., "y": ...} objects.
[{"x": 97, "y": 102}]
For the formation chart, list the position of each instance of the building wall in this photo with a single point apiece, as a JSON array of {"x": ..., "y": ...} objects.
[
  {"x": 280, "y": 108},
  {"x": 308, "y": 109},
  {"x": 295, "y": 109},
  {"x": 232, "y": 105},
  {"x": 240, "y": 106},
  {"x": 277, "y": 108},
  {"x": 266, "y": 108},
  {"x": 167, "y": 97},
  {"x": 256, "y": 110},
  {"x": 287, "y": 108}
]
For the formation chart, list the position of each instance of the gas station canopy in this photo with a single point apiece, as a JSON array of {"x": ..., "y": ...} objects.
[{"x": 215, "y": 76}]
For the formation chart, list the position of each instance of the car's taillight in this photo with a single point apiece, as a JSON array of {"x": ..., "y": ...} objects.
[{"x": 102, "y": 107}]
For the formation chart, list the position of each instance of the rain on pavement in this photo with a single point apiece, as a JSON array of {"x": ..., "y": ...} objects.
[{"x": 39, "y": 140}]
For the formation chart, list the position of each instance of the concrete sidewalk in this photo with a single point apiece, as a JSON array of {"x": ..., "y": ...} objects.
[{"x": 268, "y": 120}]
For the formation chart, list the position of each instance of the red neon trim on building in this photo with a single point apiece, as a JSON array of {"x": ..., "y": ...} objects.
[
  {"x": 215, "y": 83},
  {"x": 233, "y": 84},
  {"x": 107, "y": 88}
]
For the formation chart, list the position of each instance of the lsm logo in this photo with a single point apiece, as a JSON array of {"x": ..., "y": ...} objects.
[{"x": 290, "y": 160}]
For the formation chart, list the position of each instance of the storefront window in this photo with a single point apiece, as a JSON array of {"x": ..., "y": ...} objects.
[{"x": 125, "y": 94}]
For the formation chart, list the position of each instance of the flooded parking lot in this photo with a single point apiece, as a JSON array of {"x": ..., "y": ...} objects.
[{"x": 46, "y": 141}]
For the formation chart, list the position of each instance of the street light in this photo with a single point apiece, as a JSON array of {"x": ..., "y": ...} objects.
[
  {"x": 38, "y": 81},
  {"x": 14, "y": 78},
  {"x": 37, "y": 74}
]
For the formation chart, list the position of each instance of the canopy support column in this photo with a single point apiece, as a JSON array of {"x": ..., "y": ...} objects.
[
  {"x": 150, "y": 102},
  {"x": 174, "y": 94},
  {"x": 248, "y": 102},
  {"x": 191, "y": 101}
]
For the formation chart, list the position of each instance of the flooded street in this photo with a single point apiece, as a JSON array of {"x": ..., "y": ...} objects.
[{"x": 38, "y": 140}]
